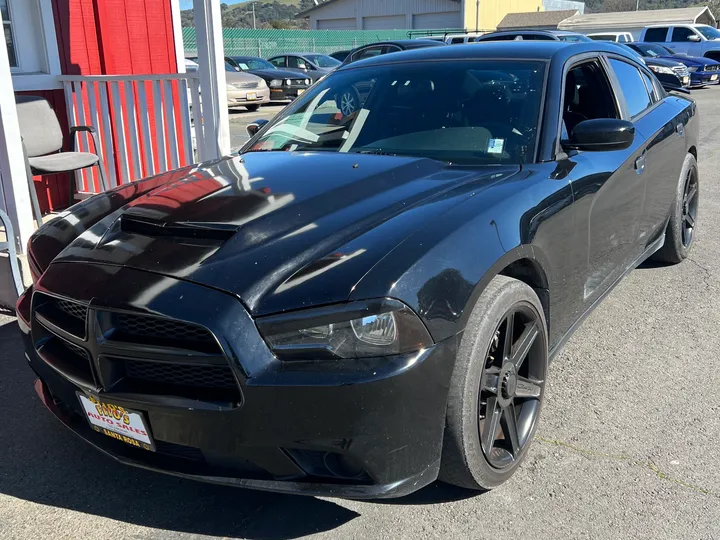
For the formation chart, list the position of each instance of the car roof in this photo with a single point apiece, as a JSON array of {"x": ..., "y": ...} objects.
[
  {"x": 496, "y": 50},
  {"x": 246, "y": 56}
]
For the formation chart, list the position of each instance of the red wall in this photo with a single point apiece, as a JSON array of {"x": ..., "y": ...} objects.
[{"x": 105, "y": 37}]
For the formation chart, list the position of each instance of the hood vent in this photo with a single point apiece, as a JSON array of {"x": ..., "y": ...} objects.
[{"x": 193, "y": 230}]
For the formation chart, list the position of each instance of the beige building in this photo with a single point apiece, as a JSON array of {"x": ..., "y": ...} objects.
[{"x": 472, "y": 15}]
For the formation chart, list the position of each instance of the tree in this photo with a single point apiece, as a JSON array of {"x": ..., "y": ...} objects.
[{"x": 619, "y": 5}]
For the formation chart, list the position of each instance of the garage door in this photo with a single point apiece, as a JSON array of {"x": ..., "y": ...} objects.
[
  {"x": 337, "y": 24},
  {"x": 389, "y": 22},
  {"x": 448, "y": 19}
]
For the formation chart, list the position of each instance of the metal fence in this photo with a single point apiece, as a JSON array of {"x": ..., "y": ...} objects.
[{"x": 267, "y": 43}]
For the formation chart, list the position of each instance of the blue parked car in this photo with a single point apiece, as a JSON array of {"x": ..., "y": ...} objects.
[{"x": 703, "y": 71}]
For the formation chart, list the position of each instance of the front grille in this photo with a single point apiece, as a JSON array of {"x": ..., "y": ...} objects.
[
  {"x": 179, "y": 451},
  {"x": 74, "y": 349},
  {"x": 243, "y": 85},
  {"x": 209, "y": 376},
  {"x": 682, "y": 71},
  {"x": 79, "y": 311},
  {"x": 297, "y": 82},
  {"x": 162, "y": 331}
]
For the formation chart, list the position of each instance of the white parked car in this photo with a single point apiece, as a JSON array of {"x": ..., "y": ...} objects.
[
  {"x": 617, "y": 37},
  {"x": 689, "y": 39},
  {"x": 456, "y": 39}
]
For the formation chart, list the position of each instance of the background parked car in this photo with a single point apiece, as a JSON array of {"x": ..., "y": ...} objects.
[
  {"x": 532, "y": 35},
  {"x": 617, "y": 37},
  {"x": 457, "y": 39},
  {"x": 315, "y": 65},
  {"x": 243, "y": 89},
  {"x": 690, "y": 39},
  {"x": 670, "y": 73},
  {"x": 385, "y": 47},
  {"x": 703, "y": 71},
  {"x": 284, "y": 84},
  {"x": 340, "y": 55}
]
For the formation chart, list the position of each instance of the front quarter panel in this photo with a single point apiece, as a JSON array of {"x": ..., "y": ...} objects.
[{"x": 441, "y": 270}]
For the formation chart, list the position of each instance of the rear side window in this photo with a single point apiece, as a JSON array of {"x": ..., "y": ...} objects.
[
  {"x": 633, "y": 87},
  {"x": 681, "y": 34},
  {"x": 536, "y": 37},
  {"x": 279, "y": 61},
  {"x": 656, "y": 34},
  {"x": 622, "y": 38},
  {"x": 457, "y": 40},
  {"x": 367, "y": 53}
]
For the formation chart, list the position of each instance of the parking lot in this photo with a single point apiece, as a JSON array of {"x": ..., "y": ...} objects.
[{"x": 628, "y": 446}]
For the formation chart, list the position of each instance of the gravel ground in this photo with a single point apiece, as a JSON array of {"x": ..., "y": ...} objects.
[{"x": 628, "y": 446}]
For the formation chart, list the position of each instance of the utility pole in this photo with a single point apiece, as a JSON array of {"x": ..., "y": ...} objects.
[
  {"x": 637, "y": 6},
  {"x": 477, "y": 15},
  {"x": 253, "y": 5}
]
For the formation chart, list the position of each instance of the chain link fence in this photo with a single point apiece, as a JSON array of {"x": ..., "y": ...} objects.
[{"x": 267, "y": 43}]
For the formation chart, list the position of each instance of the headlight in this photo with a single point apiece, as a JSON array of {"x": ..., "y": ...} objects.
[
  {"x": 662, "y": 69},
  {"x": 262, "y": 83},
  {"x": 308, "y": 81},
  {"x": 275, "y": 83},
  {"x": 230, "y": 87},
  {"x": 370, "y": 329},
  {"x": 693, "y": 69},
  {"x": 288, "y": 82}
]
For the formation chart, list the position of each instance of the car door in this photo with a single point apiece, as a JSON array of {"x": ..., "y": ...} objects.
[
  {"x": 658, "y": 34},
  {"x": 680, "y": 39},
  {"x": 609, "y": 187}
]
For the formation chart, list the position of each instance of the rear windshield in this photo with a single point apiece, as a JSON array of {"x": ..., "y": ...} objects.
[{"x": 479, "y": 111}]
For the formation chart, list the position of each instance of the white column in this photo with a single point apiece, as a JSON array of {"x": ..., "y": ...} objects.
[
  {"x": 213, "y": 92},
  {"x": 177, "y": 35},
  {"x": 14, "y": 190}
]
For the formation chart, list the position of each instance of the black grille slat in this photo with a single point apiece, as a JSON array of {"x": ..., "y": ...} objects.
[
  {"x": 179, "y": 451},
  {"x": 79, "y": 311},
  {"x": 182, "y": 375},
  {"x": 160, "y": 328},
  {"x": 74, "y": 349}
]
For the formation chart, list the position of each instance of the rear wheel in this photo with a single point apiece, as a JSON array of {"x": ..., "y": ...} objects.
[
  {"x": 497, "y": 387},
  {"x": 680, "y": 232},
  {"x": 348, "y": 101},
  {"x": 252, "y": 108}
]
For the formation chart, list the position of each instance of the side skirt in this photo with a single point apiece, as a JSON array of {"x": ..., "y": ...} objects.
[{"x": 652, "y": 248}]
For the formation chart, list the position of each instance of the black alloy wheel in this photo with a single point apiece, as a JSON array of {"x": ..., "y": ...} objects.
[
  {"x": 511, "y": 387},
  {"x": 689, "y": 207}
]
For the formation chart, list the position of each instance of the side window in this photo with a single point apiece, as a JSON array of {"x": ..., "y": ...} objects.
[
  {"x": 536, "y": 37},
  {"x": 390, "y": 49},
  {"x": 622, "y": 38},
  {"x": 278, "y": 62},
  {"x": 681, "y": 34},
  {"x": 456, "y": 40},
  {"x": 297, "y": 62},
  {"x": 588, "y": 95},
  {"x": 656, "y": 34},
  {"x": 650, "y": 87},
  {"x": 367, "y": 53},
  {"x": 633, "y": 88}
]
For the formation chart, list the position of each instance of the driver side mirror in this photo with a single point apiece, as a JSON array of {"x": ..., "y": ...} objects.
[
  {"x": 601, "y": 134},
  {"x": 256, "y": 126},
  {"x": 694, "y": 37}
]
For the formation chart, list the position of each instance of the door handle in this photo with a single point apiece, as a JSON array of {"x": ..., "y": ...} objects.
[
  {"x": 640, "y": 164},
  {"x": 680, "y": 130}
]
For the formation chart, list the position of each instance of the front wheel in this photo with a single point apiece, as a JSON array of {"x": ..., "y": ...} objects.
[
  {"x": 680, "y": 232},
  {"x": 252, "y": 108},
  {"x": 348, "y": 101},
  {"x": 497, "y": 387}
]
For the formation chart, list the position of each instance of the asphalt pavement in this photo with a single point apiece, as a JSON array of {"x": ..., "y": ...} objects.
[{"x": 628, "y": 446}]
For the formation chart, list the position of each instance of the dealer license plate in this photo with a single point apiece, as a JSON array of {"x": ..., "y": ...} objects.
[
  {"x": 713, "y": 77},
  {"x": 251, "y": 96},
  {"x": 117, "y": 422},
  {"x": 686, "y": 80}
]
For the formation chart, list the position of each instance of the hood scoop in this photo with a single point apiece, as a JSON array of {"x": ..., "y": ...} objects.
[{"x": 143, "y": 226}]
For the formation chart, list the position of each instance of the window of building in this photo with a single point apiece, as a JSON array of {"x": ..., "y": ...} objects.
[{"x": 7, "y": 28}]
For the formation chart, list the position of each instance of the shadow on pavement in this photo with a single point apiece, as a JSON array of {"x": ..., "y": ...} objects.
[{"x": 42, "y": 462}]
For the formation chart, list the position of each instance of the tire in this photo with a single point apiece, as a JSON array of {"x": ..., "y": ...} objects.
[
  {"x": 680, "y": 232},
  {"x": 252, "y": 108},
  {"x": 467, "y": 461},
  {"x": 348, "y": 101}
]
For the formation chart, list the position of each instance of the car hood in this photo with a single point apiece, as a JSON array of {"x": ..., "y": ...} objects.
[
  {"x": 277, "y": 74},
  {"x": 690, "y": 60},
  {"x": 664, "y": 62},
  {"x": 280, "y": 230},
  {"x": 234, "y": 77}
]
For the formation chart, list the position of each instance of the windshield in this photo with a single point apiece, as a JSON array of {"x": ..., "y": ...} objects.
[
  {"x": 254, "y": 63},
  {"x": 230, "y": 67},
  {"x": 709, "y": 32},
  {"x": 603, "y": 37},
  {"x": 653, "y": 51},
  {"x": 323, "y": 61},
  {"x": 469, "y": 112}
]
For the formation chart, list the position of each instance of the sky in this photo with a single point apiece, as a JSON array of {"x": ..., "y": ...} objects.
[{"x": 187, "y": 4}]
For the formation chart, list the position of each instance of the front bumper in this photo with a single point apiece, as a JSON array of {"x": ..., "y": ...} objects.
[
  {"x": 370, "y": 429},
  {"x": 238, "y": 98},
  {"x": 286, "y": 93},
  {"x": 704, "y": 78}
]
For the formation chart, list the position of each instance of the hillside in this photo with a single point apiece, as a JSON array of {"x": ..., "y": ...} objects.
[
  {"x": 598, "y": 6},
  {"x": 275, "y": 14}
]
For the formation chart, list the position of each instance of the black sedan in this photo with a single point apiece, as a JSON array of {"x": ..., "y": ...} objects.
[
  {"x": 386, "y": 47},
  {"x": 284, "y": 84},
  {"x": 359, "y": 304}
]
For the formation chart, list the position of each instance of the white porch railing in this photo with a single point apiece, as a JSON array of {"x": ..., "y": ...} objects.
[{"x": 147, "y": 124}]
